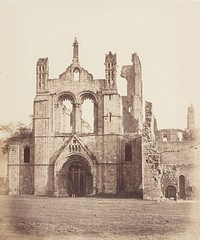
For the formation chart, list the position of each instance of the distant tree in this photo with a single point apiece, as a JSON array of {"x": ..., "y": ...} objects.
[
  {"x": 14, "y": 132},
  {"x": 8, "y": 128}
]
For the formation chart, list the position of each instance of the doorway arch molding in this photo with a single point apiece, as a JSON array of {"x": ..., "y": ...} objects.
[
  {"x": 68, "y": 160},
  {"x": 87, "y": 95},
  {"x": 66, "y": 95}
]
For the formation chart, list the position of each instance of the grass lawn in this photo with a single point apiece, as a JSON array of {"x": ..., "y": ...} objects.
[{"x": 33, "y": 217}]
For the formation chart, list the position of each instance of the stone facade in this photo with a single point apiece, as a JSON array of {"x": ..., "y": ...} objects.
[
  {"x": 111, "y": 152},
  {"x": 180, "y": 168},
  {"x": 21, "y": 171},
  {"x": 70, "y": 156}
]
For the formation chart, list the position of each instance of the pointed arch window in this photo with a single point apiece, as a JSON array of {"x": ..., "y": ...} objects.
[
  {"x": 65, "y": 113},
  {"x": 26, "y": 154}
]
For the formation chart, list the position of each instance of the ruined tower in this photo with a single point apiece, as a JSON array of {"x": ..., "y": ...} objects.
[
  {"x": 42, "y": 74},
  {"x": 110, "y": 70},
  {"x": 133, "y": 102},
  {"x": 191, "y": 118}
]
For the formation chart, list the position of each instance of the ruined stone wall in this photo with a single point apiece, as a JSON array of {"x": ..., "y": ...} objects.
[
  {"x": 112, "y": 114},
  {"x": 132, "y": 103},
  {"x": 170, "y": 135},
  {"x": 180, "y": 152},
  {"x": 181, "y": 158},
  {"x": 149, "y": 119},
  {"x": 152, "y": 171},
  {"x": 129, "y": 122},
  {"x": 164, "y": 163},
  {"x": 13, "y": 169},
  {"x": 131, "y": 180},
  {"x": 171, "y": 175},
  {"x": 20, "y": 173},
  {"x": 26, "y": 179},
  {"x": 111, "y": 159}
]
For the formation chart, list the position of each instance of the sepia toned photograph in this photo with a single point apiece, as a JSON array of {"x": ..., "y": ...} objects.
[{"x": 99, "y": 120}]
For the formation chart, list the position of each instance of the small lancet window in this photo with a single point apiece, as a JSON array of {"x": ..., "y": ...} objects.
[
  {"x": 128, "y": 153},
  {"x": 76, "y": 75},
  {"x": 165, "y": 138},
  {"x": 27, "y": 155}
]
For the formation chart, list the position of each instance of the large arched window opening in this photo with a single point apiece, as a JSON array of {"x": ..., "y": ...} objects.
[
  {"x": 65, "y": 114},
  {"x": 27, "y": 154},
  {"x": 128, "y": 153},
  {"x": 87, "y": 119},
  {"x": 88, "y": 113}
]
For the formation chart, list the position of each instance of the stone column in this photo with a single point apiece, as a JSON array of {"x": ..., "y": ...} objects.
[
  {"x": 95, "y": 127},
  {"x": 77, "y": 118}
]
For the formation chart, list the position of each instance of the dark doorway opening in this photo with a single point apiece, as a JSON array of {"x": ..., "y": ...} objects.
[
  {"x": 170, "y": 192},
  {"x": 75, "y": 179}
]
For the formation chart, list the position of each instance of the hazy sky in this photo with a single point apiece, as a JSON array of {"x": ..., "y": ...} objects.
[{"x": 165, "y": 35}]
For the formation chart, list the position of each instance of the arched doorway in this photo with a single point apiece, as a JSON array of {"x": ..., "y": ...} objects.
[
  {"x": 182, "y": 187},
  {"x": 170, "y": 192},
  {"x": 75, "y": 178}
]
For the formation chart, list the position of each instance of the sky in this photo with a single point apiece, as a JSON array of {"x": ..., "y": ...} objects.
[{"x": 164, "y": 34}]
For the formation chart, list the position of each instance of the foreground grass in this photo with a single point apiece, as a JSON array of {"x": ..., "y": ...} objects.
[{"x": 31, "y": 217}]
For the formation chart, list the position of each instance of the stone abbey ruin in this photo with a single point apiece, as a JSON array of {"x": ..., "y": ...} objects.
[{"x": 118, "y": 153}]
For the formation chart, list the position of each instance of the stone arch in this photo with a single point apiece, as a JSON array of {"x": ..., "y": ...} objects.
[
  {"x": 74, "y": 176},
  {"x": 88, "y": 95},
  {"x": 66, "y": 156},
  {"x": 65, "y": 116},
  {"x": 66, "y": 95}
]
